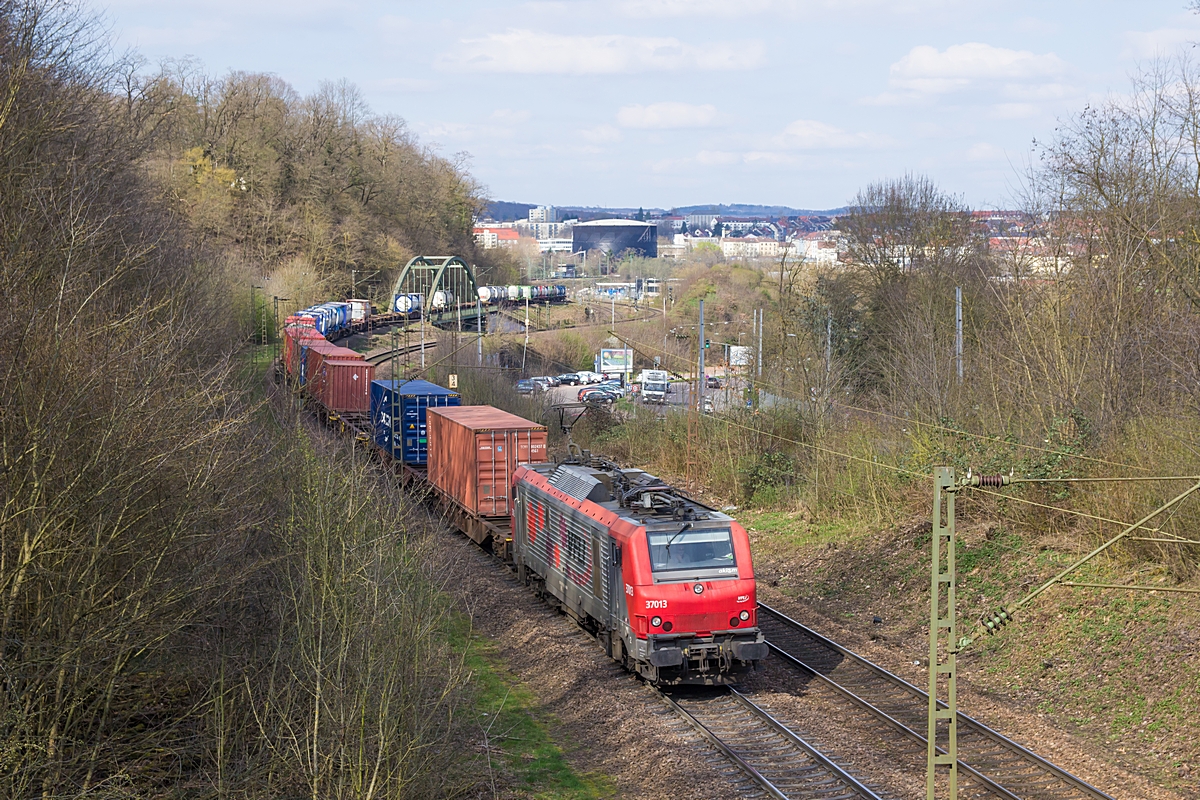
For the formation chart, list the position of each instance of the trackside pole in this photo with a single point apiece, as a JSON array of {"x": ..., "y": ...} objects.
[
  {"x": 943, "y": 638},
  {"x": 703, "y": 379}
]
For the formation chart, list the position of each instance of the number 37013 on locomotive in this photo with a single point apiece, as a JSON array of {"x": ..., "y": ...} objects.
[{"x": 666, "y": 584}]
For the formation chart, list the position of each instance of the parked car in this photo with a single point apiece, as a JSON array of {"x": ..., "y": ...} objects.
[
  {"x": 713, "y": 382},
  {"x": 569, "y": 379},
  {"x": 589, "y": 377},
  {"x": 586, "y": 390},
  {"x": 613, "y": 385},
  {"x": 550, "y": 380},
  {"x": 592, "y": 394},
  {"x": 525, "y": 386},
  {"x": 542, "y": 383}
]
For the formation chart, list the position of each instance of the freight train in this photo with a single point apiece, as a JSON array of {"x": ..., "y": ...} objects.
[
  {"x": 664, "y": 583},
  {"x": 495, "y": 295},
  {"x": 334, "y": 320}
]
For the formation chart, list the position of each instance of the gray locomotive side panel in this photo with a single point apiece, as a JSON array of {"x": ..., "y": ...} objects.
[{"x": 568, "y": 550}]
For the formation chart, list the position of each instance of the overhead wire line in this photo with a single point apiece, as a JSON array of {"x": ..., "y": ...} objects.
[
  {"x": 1084, "y": 514},
  {"x": 821, "y": 449},
  {"x": 791, "y": 395}
]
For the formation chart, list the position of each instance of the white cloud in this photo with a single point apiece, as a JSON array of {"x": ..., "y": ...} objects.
[
  {"x": 1013, "y": 111},
  {"x": 713, "y": 158},
  {"x": 810, "y": 134},
  {"x": 400, "y": 85},
  {"x": 1164, "y": 41},
  {"x": 531, "y": 52},
  {"x": 926, "y": 70},
  {"x": 601, "y": 134},
  {"x": 703, "y": 9},
  {"x": 510, "y": 117},
  {"x": 667, "y": 115},
  {"x": 983, "y": 151}
]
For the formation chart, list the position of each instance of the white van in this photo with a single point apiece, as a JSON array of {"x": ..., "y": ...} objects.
[{"x": 656, "y": 383}]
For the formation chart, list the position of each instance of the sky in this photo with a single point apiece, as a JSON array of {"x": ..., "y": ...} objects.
[{"x": 664, "y": 103}]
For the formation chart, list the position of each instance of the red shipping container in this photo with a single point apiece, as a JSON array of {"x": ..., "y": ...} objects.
[
  {"x": 294, "y": 339},
  {"x": 320, "y": 351},
  {"x": 315, "y": 357},
  {"x": 344, "y": 385},
  {"x": 474, "y": 451}
]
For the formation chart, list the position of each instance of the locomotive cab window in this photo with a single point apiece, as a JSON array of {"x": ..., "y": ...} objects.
[{"x": 686, "y": 551}]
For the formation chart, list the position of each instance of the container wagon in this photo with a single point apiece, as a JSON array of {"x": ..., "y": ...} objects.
[
  {"x": 474, "y": 453},
  {"x": 399, "y": 417}
]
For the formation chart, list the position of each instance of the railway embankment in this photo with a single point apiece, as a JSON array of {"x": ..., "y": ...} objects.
[{"x": 1101, "y": 682}]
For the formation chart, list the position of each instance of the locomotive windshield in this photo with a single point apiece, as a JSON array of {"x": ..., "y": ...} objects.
[{"x": 691, "y": 551}]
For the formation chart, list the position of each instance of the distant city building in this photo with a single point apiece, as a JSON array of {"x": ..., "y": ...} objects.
[
  {"x": 704, "y": 222},
  {"x": 615, "y": 236},
  {"x": 555, "y": 245},
  {"x": 820, "y": 246},
  {"x": 689, "y": 242},
  {"x": 543, "y": 214},
  {"x": 492, "y": 237},
  {"x": 751, "y": 247},
  {"x": 616, "y": 289},
  {"x": 545, "y": 230}
]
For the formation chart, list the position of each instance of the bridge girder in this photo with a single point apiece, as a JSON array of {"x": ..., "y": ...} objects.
[{"x": 426, "y": 275}]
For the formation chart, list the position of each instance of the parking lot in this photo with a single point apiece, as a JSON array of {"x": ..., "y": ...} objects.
[{"x": 679, "y": 396}]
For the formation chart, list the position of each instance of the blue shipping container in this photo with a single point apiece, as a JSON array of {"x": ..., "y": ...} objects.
[{"x": 398, "y": 416}]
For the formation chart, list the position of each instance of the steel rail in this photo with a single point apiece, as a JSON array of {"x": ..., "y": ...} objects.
[
  {"x": 985, "y": 782},
  {"x": 825, "y": 779},
  {"x": 795, "y": 739},
  {"x": 1026, "y": 758},
  {"x": 377, "y": 358}
]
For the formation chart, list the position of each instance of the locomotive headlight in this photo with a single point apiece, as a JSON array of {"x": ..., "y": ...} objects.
[
  {"x": 745, "y": 615},
  {"x": 656, "y": 621}
]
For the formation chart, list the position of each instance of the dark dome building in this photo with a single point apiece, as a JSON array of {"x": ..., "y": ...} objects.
[{"x": 615, "y": 236}]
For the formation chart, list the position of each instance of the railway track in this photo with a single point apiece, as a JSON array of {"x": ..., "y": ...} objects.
[
  {"x": 379, "y": 358},
  {"x": 990, "y": 764},
  {"x": 781, "y": 763}
]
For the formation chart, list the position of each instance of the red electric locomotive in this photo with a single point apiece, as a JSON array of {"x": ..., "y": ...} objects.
[{"x": 666, "y": 584}]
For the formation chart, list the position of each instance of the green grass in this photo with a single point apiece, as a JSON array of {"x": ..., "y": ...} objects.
[
  {"x": 786, "y": 531},
  {"x": 253, "y": 363},
  {"x": 509, "y": 719}
]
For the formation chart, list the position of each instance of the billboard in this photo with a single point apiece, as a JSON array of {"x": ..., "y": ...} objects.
[
  {"x": 740, "y": 356},
  {"x": 615, "y": 362}
]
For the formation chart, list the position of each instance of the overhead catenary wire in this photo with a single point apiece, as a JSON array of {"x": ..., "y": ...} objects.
[
  {"x": 819, "y": 448},
  {"x": 1071, "y": 512}
]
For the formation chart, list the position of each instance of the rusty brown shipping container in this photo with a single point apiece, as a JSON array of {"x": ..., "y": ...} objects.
[
  {"x": 474, "y": 451},
  {"x": 345, "y": 385}
]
